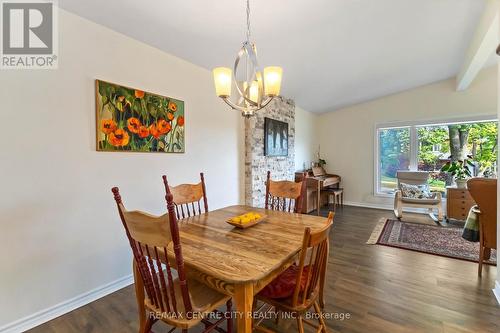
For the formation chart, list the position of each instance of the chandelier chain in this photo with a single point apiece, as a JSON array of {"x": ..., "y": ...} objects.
[{"x": 248, "y": 20}]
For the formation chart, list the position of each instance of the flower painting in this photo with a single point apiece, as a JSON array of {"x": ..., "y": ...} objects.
[{"x": 133, "y": 120}]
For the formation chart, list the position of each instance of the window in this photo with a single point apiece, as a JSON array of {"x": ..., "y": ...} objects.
[
  {"x": 427, "y": 147},
  {"x": 436, "y": 148},
  {"x": 394, "y": 155}
]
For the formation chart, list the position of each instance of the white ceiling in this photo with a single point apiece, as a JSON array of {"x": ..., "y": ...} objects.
[{"x": 334, "y": 53}]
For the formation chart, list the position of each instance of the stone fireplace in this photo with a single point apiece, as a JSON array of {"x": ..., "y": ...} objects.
[{"x": 256, "y": 164}]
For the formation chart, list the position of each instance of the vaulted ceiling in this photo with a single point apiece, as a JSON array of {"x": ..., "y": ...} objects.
[{"x": 334, "y": 53}]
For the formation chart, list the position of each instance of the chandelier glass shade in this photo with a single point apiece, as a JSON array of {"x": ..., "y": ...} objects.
[{"x": 246, "y": 87}]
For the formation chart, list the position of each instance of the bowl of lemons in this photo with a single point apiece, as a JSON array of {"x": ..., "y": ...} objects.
[{"x": 246, "y": 220}]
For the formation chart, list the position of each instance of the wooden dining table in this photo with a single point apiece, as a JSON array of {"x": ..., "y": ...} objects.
[{"x": 240, "y": 262}]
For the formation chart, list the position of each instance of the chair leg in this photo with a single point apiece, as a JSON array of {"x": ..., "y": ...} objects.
[
  {"x": 318, "y": 200},
  {"x": 320, "y": 318},
  {"x": 399, "y": 214},
  {"x": 440, "y": 212},
  {"x": 481, "y": 258},
  {"x": 487, "y": 253},
  {"x": 300, "y": 323},
  {"x": 148, "y": 325},
  {"x": 398, "y": 209},
  {"x": 229, "y": 319},
  {"x": 139, "y": 294},
  {"x": 322, "y": 278}
]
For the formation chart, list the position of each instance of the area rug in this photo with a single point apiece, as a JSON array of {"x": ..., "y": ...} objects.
[{"x": 444, "y": 241}]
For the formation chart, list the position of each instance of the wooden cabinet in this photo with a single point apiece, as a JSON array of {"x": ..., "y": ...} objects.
[{"x": 458, "y": 203}]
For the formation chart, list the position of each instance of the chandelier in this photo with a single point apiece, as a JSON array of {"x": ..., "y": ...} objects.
[{"x": 253, "y": 89}]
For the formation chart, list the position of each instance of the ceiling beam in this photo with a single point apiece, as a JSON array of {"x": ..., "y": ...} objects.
[{"x": 483, "y": 45}]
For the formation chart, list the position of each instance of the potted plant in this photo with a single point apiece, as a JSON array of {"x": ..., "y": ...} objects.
[
  {"x": 460, "y": 171},
  {"x": 321, "y": 162}
]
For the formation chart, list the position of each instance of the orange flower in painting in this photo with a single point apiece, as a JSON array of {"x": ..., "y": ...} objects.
[
  {"x": 108, "y": 126},
  {"x": 118, "y": 138},
  {"x": 139, "y": 94},
  {"x": 163, "y": 126},
  {"x": 180, "y": 121},
  {"x": 170, "y": 116},
  {"x": 153, "y": 130},
  {"x": 133, "y": 125},
  {"x": 143, "y": 132},
  {"x": 172, "y": 106}
]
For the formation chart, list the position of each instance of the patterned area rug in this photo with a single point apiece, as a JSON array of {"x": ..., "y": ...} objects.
[{"x": 443, "y": 241}]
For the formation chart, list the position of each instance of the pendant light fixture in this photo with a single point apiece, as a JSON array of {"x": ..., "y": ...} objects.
[{"x": 253, "y": 88}]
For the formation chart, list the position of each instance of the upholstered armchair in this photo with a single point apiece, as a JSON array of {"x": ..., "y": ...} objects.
[
  {"x": 420, "y": 198},
  {"x": 484, "y": 193}
]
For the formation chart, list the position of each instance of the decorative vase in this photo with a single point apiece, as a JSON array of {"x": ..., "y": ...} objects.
[{"x": 461, "y": 183}]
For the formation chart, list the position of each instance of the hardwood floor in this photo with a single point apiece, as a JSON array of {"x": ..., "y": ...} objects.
[{"x": 383, "y": 289}]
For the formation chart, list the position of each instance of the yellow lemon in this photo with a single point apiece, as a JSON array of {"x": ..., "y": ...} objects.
[
  {"x": 245, "y": 220},
  {"x": 236, "y": 219}
]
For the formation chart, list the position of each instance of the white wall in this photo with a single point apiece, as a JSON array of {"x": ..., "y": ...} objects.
[
  {"x": 61, "y": 235},
  {"x": 347, "y": 135},
  {"x": 306, "y": 138}
]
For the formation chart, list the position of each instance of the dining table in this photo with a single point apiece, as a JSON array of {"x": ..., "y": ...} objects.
[{"x": 240, "y": 262}]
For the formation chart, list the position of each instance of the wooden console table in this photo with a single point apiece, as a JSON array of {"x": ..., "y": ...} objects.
[{"x": 458, "y": 203}]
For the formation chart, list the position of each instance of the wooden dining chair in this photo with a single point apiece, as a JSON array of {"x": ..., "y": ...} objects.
[
  {"x": 298, "y": 288},
  {"x": 284, "y": 195},
  {"x": 484, "y": 193},
  {"x": 162, "y": 289},
  {"x": 188, "y": 197}
]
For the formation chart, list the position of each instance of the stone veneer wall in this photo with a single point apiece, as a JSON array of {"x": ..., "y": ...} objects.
[{"x": 256, "y": 164}]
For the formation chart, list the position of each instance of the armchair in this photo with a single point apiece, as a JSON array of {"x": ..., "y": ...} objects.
[
  {"x": 484, "y": 193},
  {"x": 419, "y": 178}
]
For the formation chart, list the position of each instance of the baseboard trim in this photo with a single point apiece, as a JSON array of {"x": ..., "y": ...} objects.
[
  {"x": 368, "y": 205},
  {"x": 43, "y": 316},
  {"x": 496, "y": 291},
  {"x": 384, "y": 207}
]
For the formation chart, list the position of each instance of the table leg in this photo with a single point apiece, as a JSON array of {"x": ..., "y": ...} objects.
[
  {"x": 139, "y": 295},
  {"x": 243, "y": 297}
]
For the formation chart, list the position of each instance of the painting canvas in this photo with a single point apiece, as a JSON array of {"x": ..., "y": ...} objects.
[
  {"x": 133, "y": 120},
  {"x": 275, "y": 137}
]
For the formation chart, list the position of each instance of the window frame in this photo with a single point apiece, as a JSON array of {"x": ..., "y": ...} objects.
[{"x": 413, "y": 125}]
